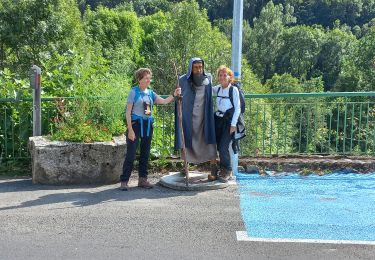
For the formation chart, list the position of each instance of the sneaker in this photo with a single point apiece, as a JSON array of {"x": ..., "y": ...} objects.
[
  {"x": 124, "y": 185},
  {"x": 143, "y": 183}
]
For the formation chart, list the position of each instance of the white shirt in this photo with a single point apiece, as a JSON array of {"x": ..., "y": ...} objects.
[{"x": 223, "y": 104}]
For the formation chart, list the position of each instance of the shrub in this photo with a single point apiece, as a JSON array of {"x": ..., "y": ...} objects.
[{"x": 95, "y": 115}]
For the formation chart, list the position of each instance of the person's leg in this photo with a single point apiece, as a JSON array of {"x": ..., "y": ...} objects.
[
  {"x": 131, "y": 148},
  {"x": 213, "y": 163},
  {"x": 224, "y": 155},
  {"x": 144, "y": 157},
  {"x": 219, "y": 121}
]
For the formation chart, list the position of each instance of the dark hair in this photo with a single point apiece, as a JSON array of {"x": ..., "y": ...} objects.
[{"x": 141, "y": 73}]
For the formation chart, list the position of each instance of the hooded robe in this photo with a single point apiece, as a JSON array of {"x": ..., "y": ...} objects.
[{"x": 197, "y": 118}]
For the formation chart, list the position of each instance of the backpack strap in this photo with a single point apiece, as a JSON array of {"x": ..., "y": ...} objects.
[
  {"x": 217, "y": 94},
  {"x": 231, "y": 95},
  {"x": 138, "y": 93},
  {"x": 152, "y": 95}
]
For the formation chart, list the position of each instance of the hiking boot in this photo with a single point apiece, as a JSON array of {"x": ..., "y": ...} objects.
[
  {"x": 124, "y": 185},
  {"x": 213, "y": 175},
  {"x": 225, "y": 175},
  {"x": 143, "y": 183}
]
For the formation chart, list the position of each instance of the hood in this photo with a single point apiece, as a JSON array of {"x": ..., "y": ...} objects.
[{"x": 188, "y": 74}]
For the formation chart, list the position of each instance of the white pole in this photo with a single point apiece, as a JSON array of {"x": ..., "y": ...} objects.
[
  {"x": 237, "y": 38},
  {"x": 236, "y": 58}
]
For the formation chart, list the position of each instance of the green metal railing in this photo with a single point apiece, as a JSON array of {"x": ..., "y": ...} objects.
[
  {"x": 290, "y": 123},
  {"x": 310, "y": 123},
  {"x": 16, "y": 128}
]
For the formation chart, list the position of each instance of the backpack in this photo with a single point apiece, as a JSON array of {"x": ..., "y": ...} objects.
[
  {"x": 242, "y": 96},
  {"x": 240, "y": 132}
]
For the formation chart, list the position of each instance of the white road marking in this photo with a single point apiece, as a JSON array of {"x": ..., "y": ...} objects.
[{"x": 242, "y": 236}]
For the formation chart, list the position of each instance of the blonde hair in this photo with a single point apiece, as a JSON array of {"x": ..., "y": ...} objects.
[
  {"x": 226, "y": 70},
  {"x": 141, "y": 73}
]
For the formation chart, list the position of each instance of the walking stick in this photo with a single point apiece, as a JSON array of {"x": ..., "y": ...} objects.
[{"x": 179, "y": 108}]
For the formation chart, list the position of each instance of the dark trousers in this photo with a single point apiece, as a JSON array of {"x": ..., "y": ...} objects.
[
  {"x": 131, "y": 148},
  {"x": 223, "y": 139}
]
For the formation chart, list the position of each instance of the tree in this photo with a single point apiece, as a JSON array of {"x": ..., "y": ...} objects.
[
  {"x": 337, "y": 45},
  {"x": 326, "y": 12},
  {"x": 31, "y": 30},
  {"x": 358, "y": 72},
  {"x": 265, "y": 39},
  {"x": 185, "y": 33},
  {"x": 113, "y": 28},
  {"x": 299, "y": 52}
]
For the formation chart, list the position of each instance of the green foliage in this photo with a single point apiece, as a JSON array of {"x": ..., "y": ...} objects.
[
  {"x": 177, "y": 36},
  {"x": 325, "y": 12},
  {"x": 250, "y": 83},
  {"x": 153, "y": 26},
  {"x": 225, "y": 26},
  {"x": 337, "y": 45},
  {"x": 217, "y": 8},
  {"x": 31, "y": 29},
  {"x": 313, "y": 85},
  {"x": 284, "y": 83},
  {"x": 265, "y": 39},
  {"x": 310, "y": 12},
  {"x": 141, "y": 7},
  {"x": 94, "y": 119},
  {"x": 163, "y": 137},
  {"x": 118, "y": 31},
  {"x": 12, "y": 86},
  {"x": 78, "y": 127},
  {"x": 358, "y": 72},
  {"x": 300, "y": 50}
]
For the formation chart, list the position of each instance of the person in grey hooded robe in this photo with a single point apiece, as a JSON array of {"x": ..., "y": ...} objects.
[{"x": 197, "y": 115}]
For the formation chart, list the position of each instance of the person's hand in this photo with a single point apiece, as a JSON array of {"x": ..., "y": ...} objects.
[
  {"x": 232, "y": 129},
  {"x": 131, "y": 134},
  {"x": 177, "y": 92}
]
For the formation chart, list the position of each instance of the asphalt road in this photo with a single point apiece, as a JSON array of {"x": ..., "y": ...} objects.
[{"x": 102, "y": 222}]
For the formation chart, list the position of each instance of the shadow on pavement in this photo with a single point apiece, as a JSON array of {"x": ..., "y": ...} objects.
[
  {"x": 93, "y": 196},
  {"x": 18, "y": 185}
]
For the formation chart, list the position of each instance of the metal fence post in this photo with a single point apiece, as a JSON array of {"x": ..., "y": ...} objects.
[{"x": 35, "y": 84}]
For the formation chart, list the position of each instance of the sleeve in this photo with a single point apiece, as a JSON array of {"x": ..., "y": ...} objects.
[
  {"x": 131, "y": 97},
  {"x": 155, "y": 96},
  {"x": 237, "y": 106},
  {"x": 215, "y": 89}
]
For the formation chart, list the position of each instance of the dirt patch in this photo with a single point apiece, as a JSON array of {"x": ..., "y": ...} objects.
[
  {"x": 309, "y": 164},
  {"x": 303, "y": 164}
]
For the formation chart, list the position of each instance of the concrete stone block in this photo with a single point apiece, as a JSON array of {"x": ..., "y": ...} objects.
[{"x": 61, "y": 163}]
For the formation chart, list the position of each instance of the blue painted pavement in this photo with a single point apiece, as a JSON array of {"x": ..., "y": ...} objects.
[{"x": 338, "y": 206}]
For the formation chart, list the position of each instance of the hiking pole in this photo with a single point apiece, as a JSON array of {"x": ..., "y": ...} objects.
[{"x": 183, "y": 148}]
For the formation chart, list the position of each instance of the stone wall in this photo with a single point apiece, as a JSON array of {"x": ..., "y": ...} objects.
[{"x": 57, "y": 162}]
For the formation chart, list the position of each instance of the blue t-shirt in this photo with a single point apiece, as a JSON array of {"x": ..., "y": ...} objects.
[{"x": 145, "y": 97}]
